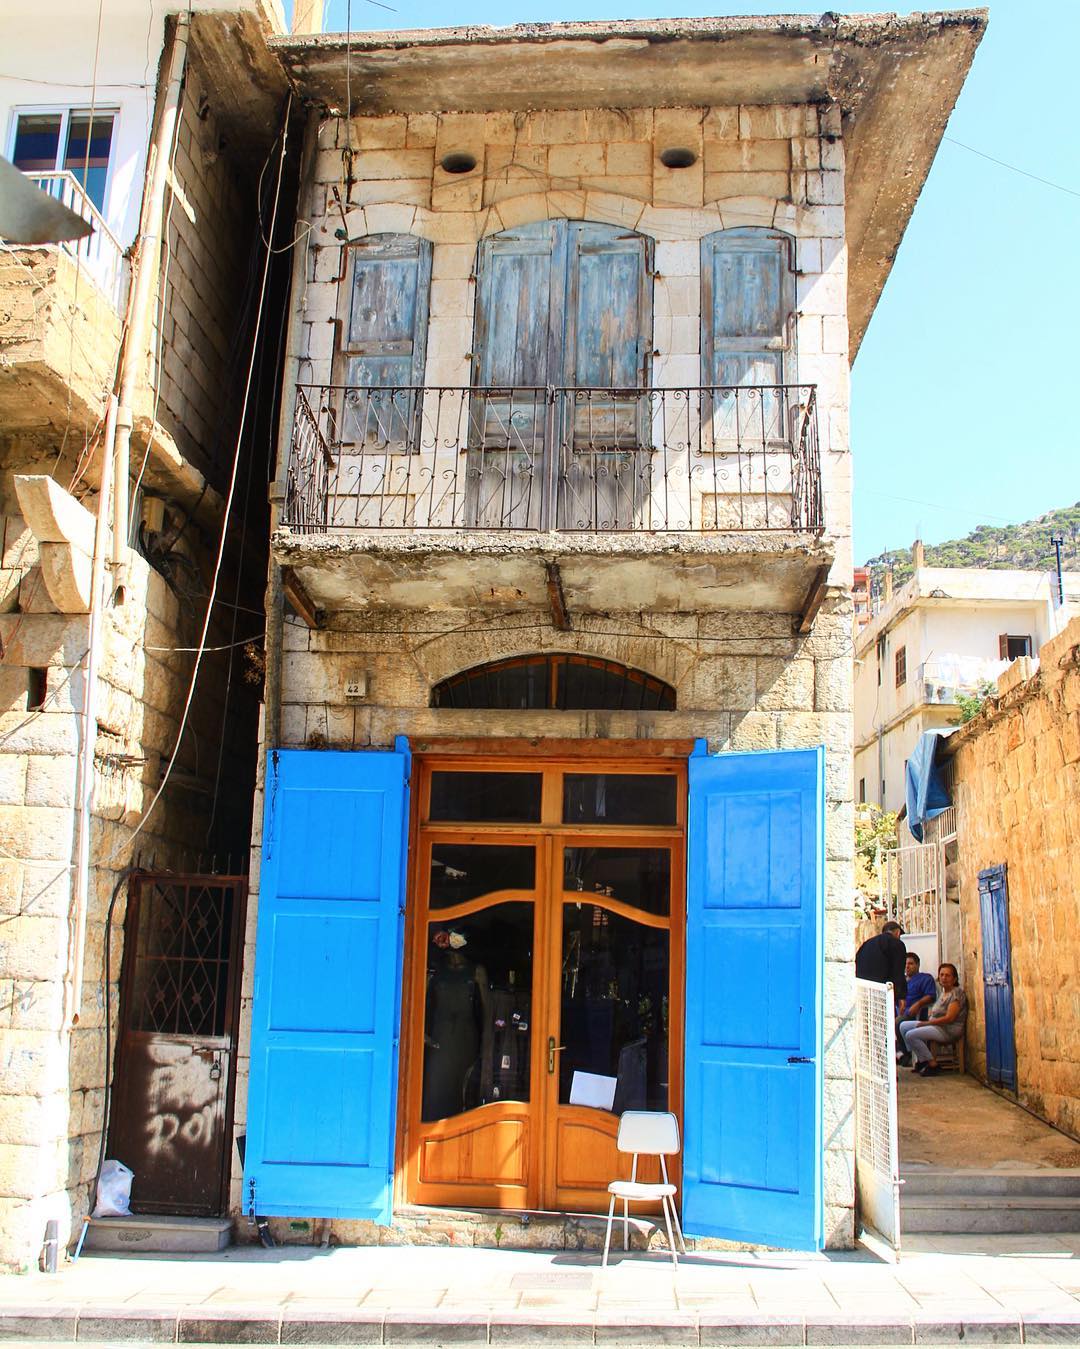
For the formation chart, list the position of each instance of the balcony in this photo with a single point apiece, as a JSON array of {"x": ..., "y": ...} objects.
[
  {"x": 676, "y": 498},
  {"x": 941, "y": 680},
  {"x": 60, "y": 321},
  {"x": 99, "y": 255}
]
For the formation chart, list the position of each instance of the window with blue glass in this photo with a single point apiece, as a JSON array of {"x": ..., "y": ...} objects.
[{"x": 68, "y": 140}]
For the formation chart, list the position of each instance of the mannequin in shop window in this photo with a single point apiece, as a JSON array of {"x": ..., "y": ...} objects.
[{"x": 457, "y": 1008}]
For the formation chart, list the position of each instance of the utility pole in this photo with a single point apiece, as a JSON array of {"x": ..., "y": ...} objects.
[{"x": 1056, "y": 541}]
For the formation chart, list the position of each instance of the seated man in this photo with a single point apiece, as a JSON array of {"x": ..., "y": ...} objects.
[{"x": 921, "y": 992}]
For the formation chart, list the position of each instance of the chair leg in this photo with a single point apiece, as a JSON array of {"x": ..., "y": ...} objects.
[
  {"x": 607, "y": 1238},
  {"x": 626, "y": 1224},
  {"x": 678, "y": 1225},
  {"x": 670, "y": 1238}
]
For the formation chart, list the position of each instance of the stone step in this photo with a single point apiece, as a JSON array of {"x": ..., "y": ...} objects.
[
  {"x": 1041, "y": 1182},
  {"x": 158, "y": 1232},
  {"x": 986, "y": 1214},
  {"x": 512, "y": 1229}
]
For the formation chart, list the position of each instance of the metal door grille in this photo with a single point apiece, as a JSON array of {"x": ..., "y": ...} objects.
[
  {"x": 180, "y": 980},
  {"x": 877, "y": 1162}
]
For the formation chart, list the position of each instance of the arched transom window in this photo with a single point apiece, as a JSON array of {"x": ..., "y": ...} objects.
[{"x": 556, "y": 681}]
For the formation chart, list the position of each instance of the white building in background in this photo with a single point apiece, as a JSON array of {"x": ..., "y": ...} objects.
[{"x": 945, "y": 632}]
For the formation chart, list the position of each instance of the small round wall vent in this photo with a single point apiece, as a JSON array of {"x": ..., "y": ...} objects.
[
  {"x": 458, "y": 162},
  {"x": 677, "y": 157}
]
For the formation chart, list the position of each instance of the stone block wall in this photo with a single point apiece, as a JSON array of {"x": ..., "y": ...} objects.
[
  {"x": 1016, "y": 774},
  {"x": 196, "y": 366},
  {"x": 741, "y": 680},
  {"x": 52, "y": 1075},
  {"x": 781, "y": 167}
]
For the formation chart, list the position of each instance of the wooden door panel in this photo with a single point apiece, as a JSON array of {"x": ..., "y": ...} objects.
[{"x": 477, "y": 1150}]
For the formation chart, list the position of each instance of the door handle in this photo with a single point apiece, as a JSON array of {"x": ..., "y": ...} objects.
[
  {"x": 552, "y": 1050},
  {"x": 799, "y": 1058}
]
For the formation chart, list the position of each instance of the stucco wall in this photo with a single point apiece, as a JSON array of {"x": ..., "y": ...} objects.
[{"x": 1017, "y": 780}]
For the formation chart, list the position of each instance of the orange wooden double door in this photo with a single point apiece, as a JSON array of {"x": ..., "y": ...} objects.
[{"x": 544, "y": 988}]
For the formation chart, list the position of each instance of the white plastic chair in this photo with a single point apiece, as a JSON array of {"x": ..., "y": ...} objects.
[{"x": 646, "y": 1133}]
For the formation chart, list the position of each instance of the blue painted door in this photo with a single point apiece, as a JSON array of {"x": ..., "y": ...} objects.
[
  {"x": 324, "y": 1038},
  {"x": 997, "y": 976},
  {"x": 752, "y": 1108}
]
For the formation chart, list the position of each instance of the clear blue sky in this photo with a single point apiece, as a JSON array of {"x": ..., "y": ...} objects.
[{"x": 952, "y": 424}]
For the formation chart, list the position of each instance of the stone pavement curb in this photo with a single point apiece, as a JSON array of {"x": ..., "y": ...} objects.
[{"x": 295, "y": 1326}]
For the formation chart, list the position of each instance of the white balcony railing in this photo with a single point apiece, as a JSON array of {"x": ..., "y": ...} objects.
[
  {"x": 944, "y": 677},
  {"x": 100, "y": 253}
]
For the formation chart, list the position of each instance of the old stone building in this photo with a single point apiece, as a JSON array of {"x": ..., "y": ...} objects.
[
  {"x": 1016, "y": 777},
  {"x": 122, "y": 368},
  {"x": 557, "y": 808}
]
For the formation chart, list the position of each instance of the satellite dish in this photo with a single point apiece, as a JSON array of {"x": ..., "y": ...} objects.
[{"x": 30, "y": 216}]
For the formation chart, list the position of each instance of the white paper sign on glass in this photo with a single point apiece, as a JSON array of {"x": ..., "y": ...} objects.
[{"x": 593, "y": 1089}]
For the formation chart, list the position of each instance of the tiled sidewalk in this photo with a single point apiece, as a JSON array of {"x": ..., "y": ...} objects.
[{"x": 944, "y": 1290}]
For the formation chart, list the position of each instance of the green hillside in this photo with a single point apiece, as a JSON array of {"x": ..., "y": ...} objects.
[{"x": 1025, "y": 546}]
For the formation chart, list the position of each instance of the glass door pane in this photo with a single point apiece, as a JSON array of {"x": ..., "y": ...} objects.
[
  {"x": 477, "y": 1015},
  {"x": 613, "y": 1011}
]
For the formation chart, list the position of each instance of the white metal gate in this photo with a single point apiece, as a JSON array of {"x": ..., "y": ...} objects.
[{"x": 877, "y": 1160}]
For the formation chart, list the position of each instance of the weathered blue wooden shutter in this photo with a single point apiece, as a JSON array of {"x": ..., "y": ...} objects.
[
  {"x": 747, "y": 307},
  {"x": 516, "y": 304},
  {"x": 384, "y": 336},
  {"x": 997, "y": 977},
  {"x": 518, "y": 311},
  {"x": 608, "y": 310},
  {"x": 752, "y": 1105},
  {"x": 324, "y": 1037}
]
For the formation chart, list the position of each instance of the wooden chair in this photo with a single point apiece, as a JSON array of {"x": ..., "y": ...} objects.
[{"x": 950, "y": 1055}]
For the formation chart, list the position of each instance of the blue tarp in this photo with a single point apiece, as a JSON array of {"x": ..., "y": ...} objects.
[{"x": 924, "y": 782}]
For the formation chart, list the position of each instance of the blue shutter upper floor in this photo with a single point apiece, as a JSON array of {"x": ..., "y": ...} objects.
[
  {"x": 752, "y": 1107},
  {"x": 326, "y": 1008}
]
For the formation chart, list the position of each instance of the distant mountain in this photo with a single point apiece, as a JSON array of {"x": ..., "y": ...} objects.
[{"x": 1026, "y": 547}]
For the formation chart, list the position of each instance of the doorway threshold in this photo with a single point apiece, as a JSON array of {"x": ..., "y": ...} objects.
[
  {"x": 516, "y": 1229},
  {"x": 161, "y": 1233}
]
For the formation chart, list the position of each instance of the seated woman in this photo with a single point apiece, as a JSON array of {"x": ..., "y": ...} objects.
[{"x": 945, "y": 1023}]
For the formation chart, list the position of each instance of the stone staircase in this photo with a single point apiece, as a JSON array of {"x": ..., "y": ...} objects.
[{"x": 972, "y": 1202}]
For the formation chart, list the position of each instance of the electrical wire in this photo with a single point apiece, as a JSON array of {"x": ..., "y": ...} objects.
[
  {"x": 225, "y": 646},
  {"x": 225, "y": 513},
  {"x": 1013, "y": 168},
  {"x": 33, "y": 716}
]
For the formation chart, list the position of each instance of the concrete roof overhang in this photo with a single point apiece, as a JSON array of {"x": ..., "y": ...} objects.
[
  {"x": 573, "y": 572},
  {"x": 895, "y": 79}
]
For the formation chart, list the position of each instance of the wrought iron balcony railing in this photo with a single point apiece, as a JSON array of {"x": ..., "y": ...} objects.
[
  {"x": 687, "y": 459},
  {"x": 99, "y": 253}
]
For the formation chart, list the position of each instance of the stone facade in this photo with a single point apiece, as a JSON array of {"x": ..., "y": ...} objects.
[
  {"x": 780, "y": 167},
  {"x": 742, "y": 679},
  {"x": 1016, "y": 774},
  {"x": 53, "y": 1068}
]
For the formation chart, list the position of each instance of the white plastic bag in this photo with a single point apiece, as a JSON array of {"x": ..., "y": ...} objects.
[{"x": 114, "y": 1191}]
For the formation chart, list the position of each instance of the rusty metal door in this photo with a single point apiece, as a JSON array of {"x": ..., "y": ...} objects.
[{"x": 172, "y": 1100}]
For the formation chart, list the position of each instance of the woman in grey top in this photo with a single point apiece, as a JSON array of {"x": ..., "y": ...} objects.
[{"x": 944, "y": 1024}]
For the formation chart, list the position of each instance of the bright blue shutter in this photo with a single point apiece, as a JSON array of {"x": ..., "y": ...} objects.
[
  {"x": 752, "y": 1106},
  {"x": 323, "y": 1084}
]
